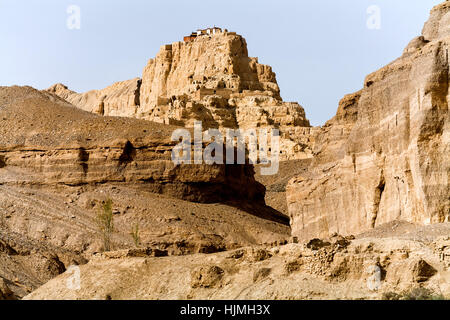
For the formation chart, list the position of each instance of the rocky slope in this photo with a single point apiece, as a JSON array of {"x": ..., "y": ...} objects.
[
  {"x": 59, "y": 164},
  {"x": 27, "y": 263},
  {"x": 386, "y": 154},
  {"x": 370, "y": 267},
  {"x": 211, "y": 79}
]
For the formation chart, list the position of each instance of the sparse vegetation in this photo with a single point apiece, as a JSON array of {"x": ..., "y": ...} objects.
[
  {"x": 418, "y": 293},
  {"x": 279, "y": 187},
  {"x": 136, "y": 236},
  {"x": 105, "y": 220}
]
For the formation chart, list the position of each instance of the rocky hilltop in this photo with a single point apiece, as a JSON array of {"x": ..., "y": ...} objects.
[
  {"x": 385, "y": 156},
  {"x": 211, "y": 79}
]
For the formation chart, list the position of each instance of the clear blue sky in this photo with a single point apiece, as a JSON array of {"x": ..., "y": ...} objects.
[{"x": 320, "y": 50}]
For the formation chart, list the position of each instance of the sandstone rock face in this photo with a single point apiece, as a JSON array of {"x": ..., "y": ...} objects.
[
  {"x": 436, "y": 28},
  {"x": 211, "y": 62},
  {"x": 380, "y": 166},
  {"x": 120, "y": 99},
  {"x": 386, "y": 154},
  {"x": 71, "y": 147},
  {"x": 211, "y": 79}
]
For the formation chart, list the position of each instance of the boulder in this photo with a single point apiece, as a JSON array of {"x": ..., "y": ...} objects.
[{"x": 206, "y": 277}]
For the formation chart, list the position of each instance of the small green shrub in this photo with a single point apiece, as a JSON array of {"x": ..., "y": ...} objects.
[
  {"x": 105, "y": 220},
  {"x": 135, "y": 234},
  {"x": 417, "y": 293}
]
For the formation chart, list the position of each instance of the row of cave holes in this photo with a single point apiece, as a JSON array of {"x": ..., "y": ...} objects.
[{"x": 221, "y": 84}]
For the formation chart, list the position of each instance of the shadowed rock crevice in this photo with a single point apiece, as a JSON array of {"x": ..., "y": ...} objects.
[
  {"x": 378, "y": 196},
  {"x": 128, "y": 154},
  {"x": 83, "y": 158},
  {"x": 137, "y": 94}
]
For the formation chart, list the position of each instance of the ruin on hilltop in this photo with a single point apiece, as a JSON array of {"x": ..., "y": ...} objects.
[{"x": 203, "y": 32}]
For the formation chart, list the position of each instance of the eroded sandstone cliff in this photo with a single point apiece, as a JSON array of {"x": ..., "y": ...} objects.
[
  {"x": 386, "y": 154},
  {"x": 59, "y": 164},
  {"x": 68, "y": 146},
  {"x": 120, "y": 99},
  {"x": 210, "y": 79}
]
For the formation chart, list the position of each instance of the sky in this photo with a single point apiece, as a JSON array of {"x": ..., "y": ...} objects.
[{"x": 320, "y": 50}]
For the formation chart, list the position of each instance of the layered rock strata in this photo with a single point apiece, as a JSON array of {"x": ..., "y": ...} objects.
[
  {"x": 46, "y": 141},
  {"x": 59, "y": 165},
  {"x": 386, "y": 154}
]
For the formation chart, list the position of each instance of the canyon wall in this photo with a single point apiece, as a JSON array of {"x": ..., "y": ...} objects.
[{"x": 386, "y": 154}]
